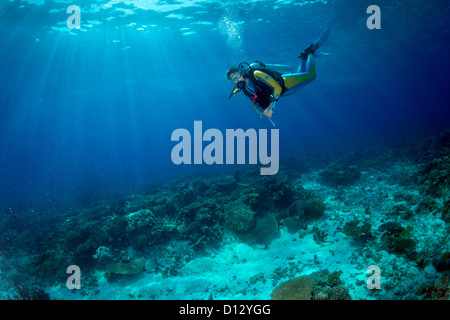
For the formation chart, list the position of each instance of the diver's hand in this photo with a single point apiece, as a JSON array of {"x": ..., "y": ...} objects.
[{"x": 268, "y": 113}]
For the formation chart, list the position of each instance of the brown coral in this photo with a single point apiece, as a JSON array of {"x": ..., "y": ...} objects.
[{"x": 299, "y": 288}]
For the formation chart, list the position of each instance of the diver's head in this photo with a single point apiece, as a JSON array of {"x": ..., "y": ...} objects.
[
  {"x": 235, "y": 76},
  {"x": 237, "y": 79},
  {"x": 230, "y": 71}
]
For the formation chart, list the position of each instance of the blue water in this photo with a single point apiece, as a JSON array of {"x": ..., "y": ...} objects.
[{"x": 92, "y": 110}]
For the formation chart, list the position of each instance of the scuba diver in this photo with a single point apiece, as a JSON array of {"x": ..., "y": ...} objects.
[{"x": 264, "y": 84}]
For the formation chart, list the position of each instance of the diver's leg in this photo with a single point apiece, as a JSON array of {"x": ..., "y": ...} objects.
[
  {"x": 305, "y": 64},
  {"x": 280, "y": 68},
  {"x": 301, "y": 66},
  {"x": 306, "y": 73}
]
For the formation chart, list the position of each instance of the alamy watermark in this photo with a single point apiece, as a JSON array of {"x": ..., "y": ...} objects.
[
  {"x": 214, "y": 152},
  {"x": 374, "y": 21},
  {"x": 374, "y": 277},
  {"x": 74, "y": 21},
  {"x": 74, "y": 281}
]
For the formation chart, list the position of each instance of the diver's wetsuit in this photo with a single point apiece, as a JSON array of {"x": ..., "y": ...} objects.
[{"x": 266, "y": 86}]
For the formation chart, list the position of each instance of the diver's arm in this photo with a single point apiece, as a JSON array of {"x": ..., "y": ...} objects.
[
  {"x": 262, "y": 112},
  {"x": 257, "y": 108},
  {"x": 271, "y": 82}
]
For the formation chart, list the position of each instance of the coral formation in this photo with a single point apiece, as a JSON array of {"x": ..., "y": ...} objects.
[
  {"x": 315, "y": 208},
  {"x": 319, "y": 235},
  {"x": 330, "y": 286},
  {"x": 299, "y": 288},
  {"x": 397, "y": 239},
  {"x": 238, "y": 217},
  {"x": 358, "y": 230}
]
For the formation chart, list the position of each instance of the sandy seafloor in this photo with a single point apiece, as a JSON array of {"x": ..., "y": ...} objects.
[{"x": 237, "y": 270}]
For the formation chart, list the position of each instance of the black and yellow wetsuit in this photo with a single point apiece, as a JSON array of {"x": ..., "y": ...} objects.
[{"x": 265, "y": 86}]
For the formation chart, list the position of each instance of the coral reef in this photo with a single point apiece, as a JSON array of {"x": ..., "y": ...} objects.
[
  {"x": 167, "y": 226},
  {"x": 389, "y": 208}
]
